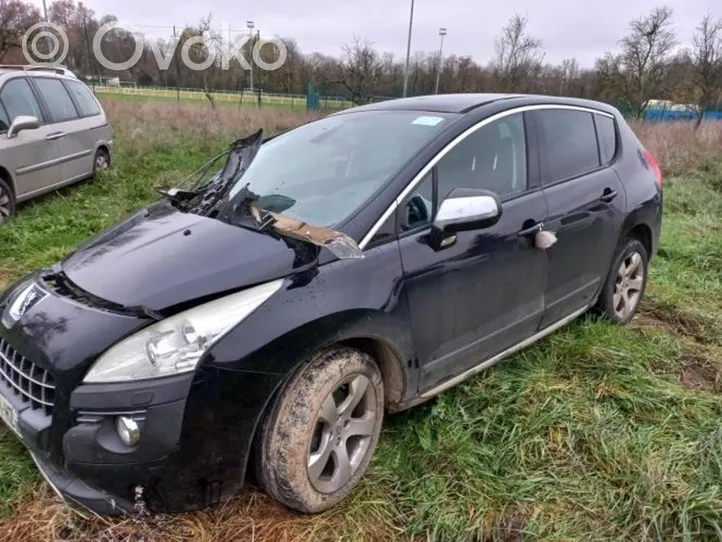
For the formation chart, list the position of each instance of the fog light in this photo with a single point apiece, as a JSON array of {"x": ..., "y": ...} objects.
[{"x": 128, "y": 430}]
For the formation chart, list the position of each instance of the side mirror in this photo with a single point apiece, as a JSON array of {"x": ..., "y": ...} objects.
[
  {"x": 22, "y": 123},
  {"x": 466, "y": 209}
]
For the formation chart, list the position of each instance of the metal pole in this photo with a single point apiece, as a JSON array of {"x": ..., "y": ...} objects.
[
  {"x": 442, "y": 33},
  {"x": 45, "y": 10},
  {"x": 408, "y": 50},
  {"x": 251, "y": 26}
]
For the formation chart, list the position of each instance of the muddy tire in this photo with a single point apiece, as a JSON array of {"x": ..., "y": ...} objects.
[
  {"x": 318, "y": 438},
  {"x": 7, "y": 201},
  {"x": 624, "y": 290}
]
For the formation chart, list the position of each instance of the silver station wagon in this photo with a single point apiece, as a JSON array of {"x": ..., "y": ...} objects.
[{"x": 53, "y": 132}]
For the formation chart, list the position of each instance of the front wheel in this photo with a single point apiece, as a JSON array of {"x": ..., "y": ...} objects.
[
  {"x": 627, "y": 281},
  {"x": 7, "y": 201},
  {"x": 101, "y": 162},
  {"x": 318, "y": 439}
]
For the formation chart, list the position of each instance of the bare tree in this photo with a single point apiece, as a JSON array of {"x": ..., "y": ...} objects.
[
  {"x": 358, "y": 73},
  {"x": 644, "y": 58},
  {"x": 707, "y": 63},
  {"x": 16, "y": 17},
  {"x": 518, "y": 56}
]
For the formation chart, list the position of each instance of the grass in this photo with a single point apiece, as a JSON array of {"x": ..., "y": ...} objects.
[{"x": 597, "y": 433}]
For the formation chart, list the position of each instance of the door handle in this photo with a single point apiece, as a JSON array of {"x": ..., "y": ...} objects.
[
  {"x": 533, "y": 230},
  {"x": 54, "y": 136},
  {"x": 609, "y": 196}
]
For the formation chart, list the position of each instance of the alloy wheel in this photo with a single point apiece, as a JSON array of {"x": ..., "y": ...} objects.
[
  {"x": 101, "y": 162},
  {"x": 5, "y": 204},
  {"x": 343, "y": 431},
  {"x": 629, "y": 284}
]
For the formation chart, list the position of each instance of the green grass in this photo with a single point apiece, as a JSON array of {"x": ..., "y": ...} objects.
[{"x": 597, "y": 433}]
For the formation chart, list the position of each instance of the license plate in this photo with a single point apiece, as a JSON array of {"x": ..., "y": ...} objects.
[{"x": 8, "y": 414}]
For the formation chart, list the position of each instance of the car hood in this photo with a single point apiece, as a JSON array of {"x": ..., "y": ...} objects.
[{"x": 162, "y": 257}]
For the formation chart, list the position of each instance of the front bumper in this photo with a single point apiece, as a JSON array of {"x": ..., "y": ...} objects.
[{"x": 78, "y": 494}]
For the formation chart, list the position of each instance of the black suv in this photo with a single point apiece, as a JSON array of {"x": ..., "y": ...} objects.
[{"x": 265, "y": 315}]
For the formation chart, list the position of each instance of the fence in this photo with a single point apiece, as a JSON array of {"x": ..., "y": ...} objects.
[{"x": 253, "y": 98}]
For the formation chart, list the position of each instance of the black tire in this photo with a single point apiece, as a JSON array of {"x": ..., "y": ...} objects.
[
  {"x": 613, "y": 303},
  {"x": 101, "y": 162},
  {"x": 294, "y": 435},
  {"x": 7, "y": 201}
]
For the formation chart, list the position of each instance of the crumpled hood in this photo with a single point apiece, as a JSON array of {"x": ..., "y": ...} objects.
[{"x": 161, "y": 257}]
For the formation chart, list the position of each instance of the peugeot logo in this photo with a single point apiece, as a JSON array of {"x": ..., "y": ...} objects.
[{"x": 25, "y": 300}]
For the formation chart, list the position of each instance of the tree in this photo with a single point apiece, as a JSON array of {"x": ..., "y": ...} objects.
[
  {"x": 707, "y": 63},
  {"x": 16, "y": 17},
  {"x": 644, "y": 57},
  {"x": 359, "y": 70},
  {"x": 518, "y": 57}
]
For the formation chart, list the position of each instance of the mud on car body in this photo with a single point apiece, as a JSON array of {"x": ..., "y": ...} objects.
[{"x": 267, "y": 312}]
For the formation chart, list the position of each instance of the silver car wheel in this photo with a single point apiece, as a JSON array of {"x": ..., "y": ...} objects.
[
  {"x": 101, "y": 162},
  {"x": 343, "y": 431},
  {"x": 5, "y": 205},
  {"x": 628, "y": 289}
]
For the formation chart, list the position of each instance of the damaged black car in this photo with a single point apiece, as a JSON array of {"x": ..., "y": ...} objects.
[{"x": 262, "y": 317}]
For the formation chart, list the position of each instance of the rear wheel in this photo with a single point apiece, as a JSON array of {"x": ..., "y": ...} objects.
[
  {"x": 318, "y": 439},
  {"x": 101, "y": 162},
  {"x": 625, "y": 286},
  {"x": 7, "y": 201}
]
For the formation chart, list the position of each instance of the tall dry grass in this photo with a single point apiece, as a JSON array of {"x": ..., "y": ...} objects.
[
  {"x": 679, "y": 147},
  {"x": 144, "y": 127}
]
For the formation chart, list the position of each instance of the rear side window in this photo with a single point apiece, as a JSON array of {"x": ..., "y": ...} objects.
[
  {"x": 571, "y": 143},
  {"x": 83, "y": 98},
  {"x": 607, "y": 134},
  {"x": 18, "y": 99},
  {"x": 60, "y": 105}
]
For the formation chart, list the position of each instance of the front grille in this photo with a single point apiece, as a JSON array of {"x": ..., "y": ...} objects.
[{"x": 33, "y": 384}]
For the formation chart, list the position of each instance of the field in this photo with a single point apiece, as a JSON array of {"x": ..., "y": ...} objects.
[
  {"x": 285, "y": 102},
  {"x": 597, "y": 433}
]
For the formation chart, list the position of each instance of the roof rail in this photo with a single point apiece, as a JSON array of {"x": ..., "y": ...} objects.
[{"x": 57, "y": 68}]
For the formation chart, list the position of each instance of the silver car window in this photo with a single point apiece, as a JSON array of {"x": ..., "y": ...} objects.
[
  {"x": 19, "y": 100},
  {"x": 58, "y": 100}
]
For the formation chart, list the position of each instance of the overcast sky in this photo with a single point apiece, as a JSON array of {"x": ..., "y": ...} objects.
[{"x": 580, "y": 29}]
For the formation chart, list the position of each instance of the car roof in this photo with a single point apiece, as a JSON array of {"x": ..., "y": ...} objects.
[
  {"x": 438, "y": 103},
  {"x": 465, "y": 103}
]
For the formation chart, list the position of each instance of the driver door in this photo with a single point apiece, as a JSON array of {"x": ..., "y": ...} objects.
[{"x": 479, "y": 292}]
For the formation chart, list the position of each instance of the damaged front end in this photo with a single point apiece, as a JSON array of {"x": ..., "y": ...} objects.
[{"x": 212, "y": 198}]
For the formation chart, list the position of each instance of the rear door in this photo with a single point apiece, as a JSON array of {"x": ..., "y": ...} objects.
[
  {"x": 31, "y": 156},
  {"x": 586, "y": 202},
  {"x": 483, "y": 292},
  {"x": 69, "y": 130}
]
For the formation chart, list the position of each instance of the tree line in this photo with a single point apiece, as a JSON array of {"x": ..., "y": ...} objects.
[{"x": 649, "y": 63}]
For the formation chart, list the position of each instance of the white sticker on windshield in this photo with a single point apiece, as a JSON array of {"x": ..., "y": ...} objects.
[{"x": 428, "y": 121}]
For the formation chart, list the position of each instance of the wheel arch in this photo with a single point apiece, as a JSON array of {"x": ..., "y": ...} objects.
[
  {"x": 5, "y": 176},
  {"x": 642, "y": 233}
]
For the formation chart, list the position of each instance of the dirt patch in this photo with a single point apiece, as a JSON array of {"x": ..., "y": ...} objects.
[
  {"x": 659, "y": 315},
  {"x": 252, "y": 516},
  {"x": 506, "y": 528},
  {"x": 701, "y": 377}
]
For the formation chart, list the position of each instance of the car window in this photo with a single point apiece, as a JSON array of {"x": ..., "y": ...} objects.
[
  {"x": 607, "y": 134},
  {"x": 324, "y": 171},
  {"x": 58, "y": 100},
  {"x": 4, "y": 120},
  {"x": 84, "y": 98},
  {"x": 418, "y": 210},
  {"x": 19, "y": 100},
  {"x": 571, "y": 143},
  {"x": 492, "y": 158}
]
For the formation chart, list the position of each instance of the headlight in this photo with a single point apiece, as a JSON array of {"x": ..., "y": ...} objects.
[{"x": 175, "y": 345}]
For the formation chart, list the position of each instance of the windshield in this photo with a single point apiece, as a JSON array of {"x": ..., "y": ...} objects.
[{"x": 321, "y": 173}]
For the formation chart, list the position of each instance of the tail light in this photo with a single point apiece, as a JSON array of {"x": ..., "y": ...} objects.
[{"x": 655, "y": 168}]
